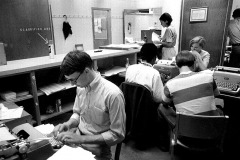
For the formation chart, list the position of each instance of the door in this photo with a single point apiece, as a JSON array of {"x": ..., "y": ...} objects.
[{"x": 101, "y": 21}]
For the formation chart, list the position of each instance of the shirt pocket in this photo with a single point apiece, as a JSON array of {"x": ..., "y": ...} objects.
[{"x": 99, "y": 116}]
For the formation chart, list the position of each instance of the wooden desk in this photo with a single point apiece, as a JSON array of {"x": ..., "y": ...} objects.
[{"x": 11, "y": 123}]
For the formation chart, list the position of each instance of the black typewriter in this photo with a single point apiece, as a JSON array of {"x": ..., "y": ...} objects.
[{"x": 227, "y": 79}]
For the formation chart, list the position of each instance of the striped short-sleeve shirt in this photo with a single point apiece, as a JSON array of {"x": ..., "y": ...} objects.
[{"x": 192, "y": 93}]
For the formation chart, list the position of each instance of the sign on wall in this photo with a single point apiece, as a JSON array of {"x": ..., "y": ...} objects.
[{"x": 25, "y": 28}]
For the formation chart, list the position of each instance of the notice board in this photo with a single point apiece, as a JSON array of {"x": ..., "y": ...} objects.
[{"x": 25, "y": 28}]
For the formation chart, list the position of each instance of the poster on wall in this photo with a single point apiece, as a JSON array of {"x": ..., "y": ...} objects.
[
  {"x": 100, "y": 28},
  {"x": 25, "y": 29}
]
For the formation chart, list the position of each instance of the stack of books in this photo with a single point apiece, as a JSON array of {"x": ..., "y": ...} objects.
[{"x": 8, "y": 95}]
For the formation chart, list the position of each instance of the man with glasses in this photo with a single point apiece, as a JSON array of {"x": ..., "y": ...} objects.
[{"x": 98, "y": 110}]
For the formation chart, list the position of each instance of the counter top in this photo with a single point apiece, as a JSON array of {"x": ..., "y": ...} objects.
[{"x": 30, "y": 64}]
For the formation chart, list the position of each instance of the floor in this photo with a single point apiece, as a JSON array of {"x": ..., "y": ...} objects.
[{"x": 129, "y": 151}]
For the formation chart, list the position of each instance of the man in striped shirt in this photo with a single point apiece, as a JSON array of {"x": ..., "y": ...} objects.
[{"x": 191, "y": 92}]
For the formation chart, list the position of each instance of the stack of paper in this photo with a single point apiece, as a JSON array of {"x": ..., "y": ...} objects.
[
  {"x": 8, "y": 95},
  {"x": 52, "y": 88},
  {"x": 67, "y": 85},
  {"x": 114, "y": 70},
  {"x": 6, "y": 113}
]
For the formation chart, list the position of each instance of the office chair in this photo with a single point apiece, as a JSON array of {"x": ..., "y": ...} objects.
[
  {"x": 141, "y": 113},
  {"x": 79, "y": 47},
  {"x": 198, "y": 133}
]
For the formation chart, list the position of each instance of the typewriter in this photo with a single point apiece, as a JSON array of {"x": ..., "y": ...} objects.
[
  {"x": 167, "y": 69},
  {"x": 227, "y": 79},
  {"x": 25, "y": 142}
]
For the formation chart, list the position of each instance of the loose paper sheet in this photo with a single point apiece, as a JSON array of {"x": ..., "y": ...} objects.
[
  {"x": 155, "y": 37},
  {"x": 6, "y": 113},
  {"x": 67, "y": 152},
  {"x": 5, "y": 134}
]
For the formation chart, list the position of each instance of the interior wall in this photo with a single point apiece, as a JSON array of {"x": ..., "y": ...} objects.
[
  {"x": 80, "y": 19},
  {"x": 25, "y": 28}
]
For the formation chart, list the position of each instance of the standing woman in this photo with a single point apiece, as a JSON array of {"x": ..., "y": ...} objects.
[
  {"x": 202, "y": 57},
  {"x": 168, "y": 40}
]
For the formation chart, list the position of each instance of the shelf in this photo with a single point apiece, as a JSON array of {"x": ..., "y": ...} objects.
[
  {"x": 65, "y": 108},
  {"x": 66, "y": 85},
  {"x": 18, "y": 99}
]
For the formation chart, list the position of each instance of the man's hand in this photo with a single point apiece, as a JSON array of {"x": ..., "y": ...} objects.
[
  {"x": 69, "y": 138},
  {"x": 60, "y": 128}
]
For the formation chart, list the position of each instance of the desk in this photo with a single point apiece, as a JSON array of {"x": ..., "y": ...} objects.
[
  {"x": 122, "y": 46},
  {"x": 11, "y": 123},
  {"x": 232, "y": 109}
]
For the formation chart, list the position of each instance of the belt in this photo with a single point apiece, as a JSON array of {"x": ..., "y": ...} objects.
[{"x": 236, "y": 44}]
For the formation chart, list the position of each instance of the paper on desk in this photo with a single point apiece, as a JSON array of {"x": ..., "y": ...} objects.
[
  {"x": 45, "y": 128},
  {"x": 114, "y": 70},
  {"x": 6, "y": 113},
  {"x": 67, "y": 152},
  {"x": 5, "y": 134},
  {"x": 155, "y": 37}
]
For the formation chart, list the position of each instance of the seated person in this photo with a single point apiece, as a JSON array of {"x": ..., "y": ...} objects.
[
  {"x": 98, "y": 111},
  {"x": 202, "y": 56},
  {"x": 144, "y": 73},
  {"x": 190, "y": 92}
]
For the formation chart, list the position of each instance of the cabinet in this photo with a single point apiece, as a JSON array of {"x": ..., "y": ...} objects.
[{"x": 30, "y": 75}]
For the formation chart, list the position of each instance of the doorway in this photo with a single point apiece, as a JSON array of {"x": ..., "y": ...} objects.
[{"x": 101, "y": 21}]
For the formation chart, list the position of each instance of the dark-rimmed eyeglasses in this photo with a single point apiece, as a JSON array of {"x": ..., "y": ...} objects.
[{"x": 74, "y": 80}]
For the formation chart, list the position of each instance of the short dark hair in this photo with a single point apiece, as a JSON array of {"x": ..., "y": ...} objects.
[
  {"x": 236, "y": 13},
  {"x": 166, "y": 17},
  {"x": 198, "y": 39},
  {"x": 148, "y": 52},
  {"x": 185, "y": 58},
  {"x": 75, "y": 61}
]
